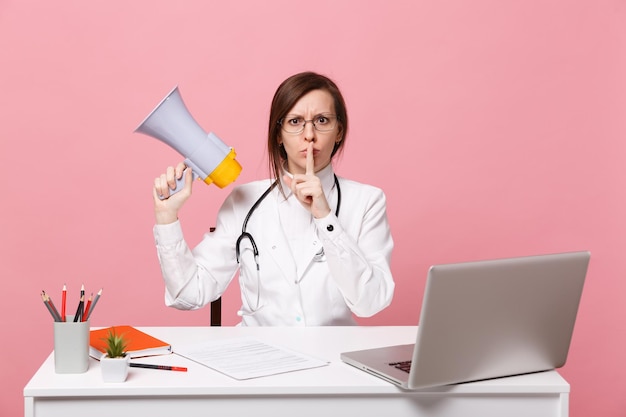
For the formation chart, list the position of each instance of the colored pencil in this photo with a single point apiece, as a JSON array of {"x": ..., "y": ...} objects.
[
  {"x": 79, "y": 309},
  {"x": 63, "y": 302},
  {"x": 54, "y": 309},
  {"x": 161, "y": 367},
  {"x": 49, "y": 307},
  {"x": 82, "y": 304},
  {"x": 85, "y": 315},
  {"x": 93, "y": 304}
]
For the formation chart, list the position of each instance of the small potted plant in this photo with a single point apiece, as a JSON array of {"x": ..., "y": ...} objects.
[{"x": 115, "y": 363}]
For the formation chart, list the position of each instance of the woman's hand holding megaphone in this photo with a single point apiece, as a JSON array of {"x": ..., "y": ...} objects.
[{"x": 167, "y": 205}]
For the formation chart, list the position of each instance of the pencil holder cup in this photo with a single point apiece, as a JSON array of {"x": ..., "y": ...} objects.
[{"x": 71, "y": 346}]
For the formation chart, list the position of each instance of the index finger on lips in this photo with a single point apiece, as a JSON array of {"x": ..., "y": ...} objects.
[{"x": 310, "y": 162}]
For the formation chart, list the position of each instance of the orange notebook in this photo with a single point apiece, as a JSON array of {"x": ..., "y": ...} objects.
[{"x": 139, "y": 343}]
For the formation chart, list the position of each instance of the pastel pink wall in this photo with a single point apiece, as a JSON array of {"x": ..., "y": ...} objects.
[{"x": 496, "y": 129}]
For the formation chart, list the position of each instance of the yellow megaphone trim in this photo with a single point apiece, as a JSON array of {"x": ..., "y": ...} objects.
[{"x": 226, "y": 172}]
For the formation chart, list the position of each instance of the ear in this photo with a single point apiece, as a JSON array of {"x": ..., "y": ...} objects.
[
  {"x": 339, "y": 137},
  {"x": 337, "y": 142}
]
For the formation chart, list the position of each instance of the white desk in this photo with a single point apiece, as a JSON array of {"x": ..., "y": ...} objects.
[{"x": 334, "y": 390}]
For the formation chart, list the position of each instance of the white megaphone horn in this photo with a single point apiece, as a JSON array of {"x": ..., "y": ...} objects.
[{"x": 207, "y": 156}]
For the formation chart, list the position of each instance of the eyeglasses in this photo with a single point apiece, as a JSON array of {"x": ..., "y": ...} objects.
[{"x": 296, "y": 124}]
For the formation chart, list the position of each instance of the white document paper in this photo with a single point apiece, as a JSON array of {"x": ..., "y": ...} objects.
[{"x": 245, "y": 358}]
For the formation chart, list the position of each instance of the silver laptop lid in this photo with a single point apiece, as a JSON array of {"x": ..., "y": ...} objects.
[{"x": 496, "y": 318}]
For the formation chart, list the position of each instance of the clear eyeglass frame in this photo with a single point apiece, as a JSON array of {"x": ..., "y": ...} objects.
[{"x": 296, "y": 124}]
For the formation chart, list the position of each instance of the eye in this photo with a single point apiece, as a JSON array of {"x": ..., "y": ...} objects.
[
  {"x": 295, "y": 121},
  {"x": 321, "y": 120}
]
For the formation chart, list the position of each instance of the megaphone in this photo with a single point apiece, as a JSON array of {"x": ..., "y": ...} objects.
[{"x": 207, "y": 156}]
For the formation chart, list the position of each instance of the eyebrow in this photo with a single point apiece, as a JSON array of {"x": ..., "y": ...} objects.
[{"x": 326, "y": 113}]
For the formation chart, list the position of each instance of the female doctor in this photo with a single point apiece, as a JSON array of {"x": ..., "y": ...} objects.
[{"x": 311, "y": 249}]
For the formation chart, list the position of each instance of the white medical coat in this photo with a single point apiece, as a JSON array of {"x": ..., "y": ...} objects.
[{"x": 311, "y": 271}]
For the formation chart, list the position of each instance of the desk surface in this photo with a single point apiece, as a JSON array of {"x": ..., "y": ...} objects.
[{"x": 337, "y": 379}]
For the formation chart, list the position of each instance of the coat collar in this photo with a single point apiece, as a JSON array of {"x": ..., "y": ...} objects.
[{"x": 278, "y": 248}]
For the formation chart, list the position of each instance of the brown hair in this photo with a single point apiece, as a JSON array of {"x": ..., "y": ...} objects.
[{"x": 287, "y": 95}]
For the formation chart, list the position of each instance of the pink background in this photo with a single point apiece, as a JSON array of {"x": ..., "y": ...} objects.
[{"x": 496, "y": 129}]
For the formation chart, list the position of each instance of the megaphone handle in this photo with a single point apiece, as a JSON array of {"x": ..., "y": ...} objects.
[{"x": 180, "y": 183}]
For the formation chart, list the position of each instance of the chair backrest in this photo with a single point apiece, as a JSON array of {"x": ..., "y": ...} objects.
[
  {"x": 216, "y": 306},
  {"x": 216, "y": 312}
]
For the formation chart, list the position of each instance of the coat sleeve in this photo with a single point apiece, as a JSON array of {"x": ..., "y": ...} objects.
[
  {"x": 358, "y": 250},
  {"x": 194, "y": 278}
]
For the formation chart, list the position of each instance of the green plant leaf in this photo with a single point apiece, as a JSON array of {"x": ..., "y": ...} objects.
[{"x": 115, "y": 344}]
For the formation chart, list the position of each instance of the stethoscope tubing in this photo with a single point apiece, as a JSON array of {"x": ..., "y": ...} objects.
[
  {"x": 255, "y": 250},
  {"x": 244, "y": 234}
]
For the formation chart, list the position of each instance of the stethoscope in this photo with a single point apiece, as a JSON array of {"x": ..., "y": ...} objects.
[{"x": 255, "y": 250}]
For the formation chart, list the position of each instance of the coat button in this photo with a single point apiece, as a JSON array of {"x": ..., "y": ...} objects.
[{"x": 330, "y": 228}]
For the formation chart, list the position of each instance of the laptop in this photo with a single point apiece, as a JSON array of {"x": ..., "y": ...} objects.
[{"x": 486, "y": 319}]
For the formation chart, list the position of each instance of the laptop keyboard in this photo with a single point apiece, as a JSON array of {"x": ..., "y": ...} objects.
[{"x": 403, "y": 366}]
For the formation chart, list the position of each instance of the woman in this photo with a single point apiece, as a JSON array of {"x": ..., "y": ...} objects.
[{"x": 315, "y": 249}]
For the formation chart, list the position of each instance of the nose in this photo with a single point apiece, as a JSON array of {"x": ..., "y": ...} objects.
[{"x": 309, "y": 132}]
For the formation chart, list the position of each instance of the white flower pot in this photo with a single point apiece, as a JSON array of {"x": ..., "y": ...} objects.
[{"x": 114, "y": 369}]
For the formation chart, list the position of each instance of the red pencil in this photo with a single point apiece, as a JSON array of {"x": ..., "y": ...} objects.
[
  {"x": 85, "y": 314},
  {"x": 63, "y": 302},
  {"x": 161, "y": 367}
]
